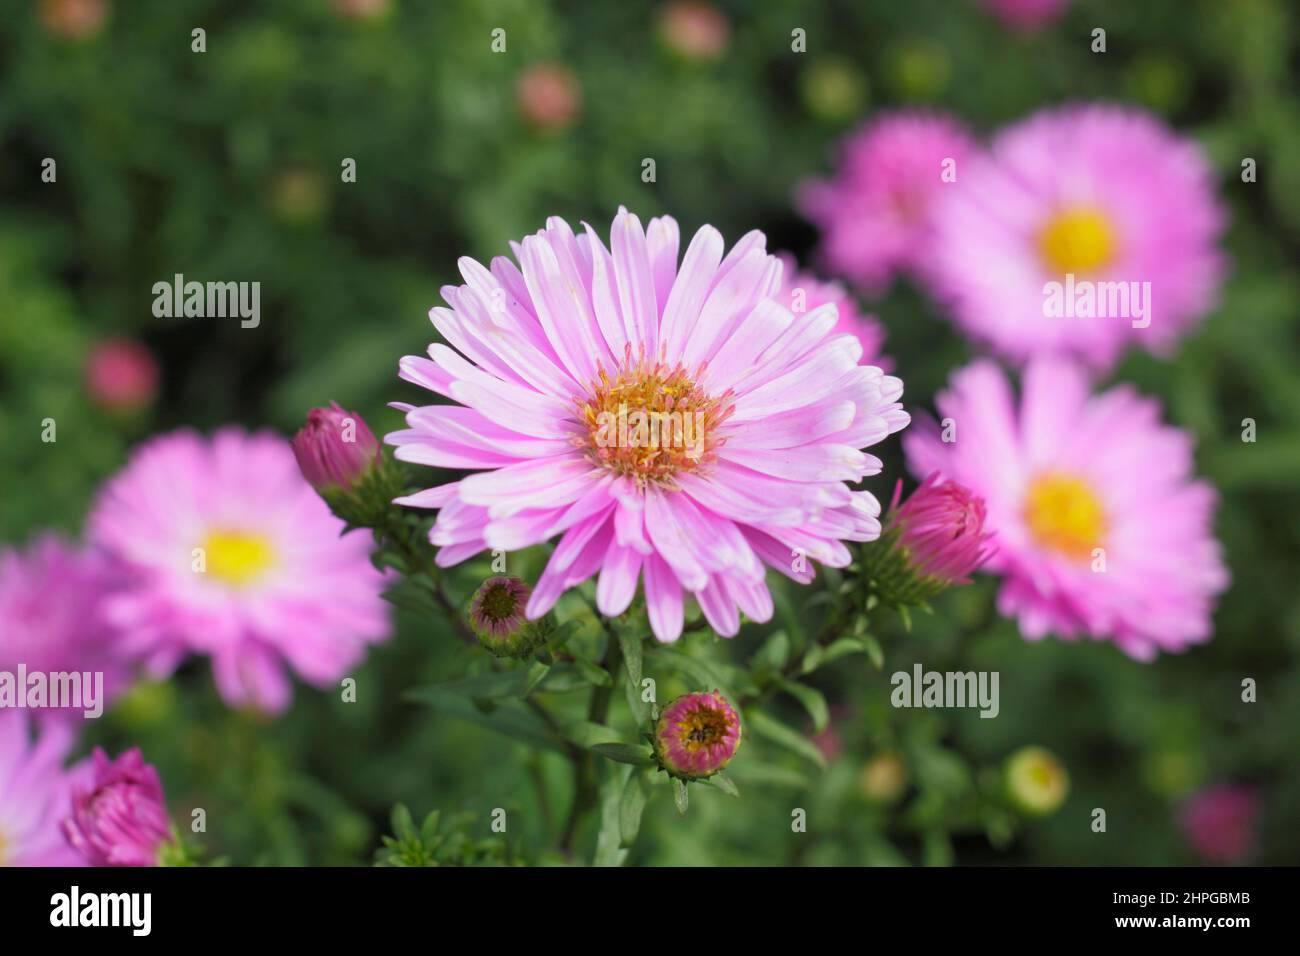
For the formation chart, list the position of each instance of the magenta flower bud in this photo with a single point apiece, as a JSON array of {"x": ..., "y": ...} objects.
[
  {"x": 941, "y": 530},
  {"x": 1220, "y": 822},
  {"x": 697, "y": 735},
  {"x": 335, "y": 449},
  {"x": 121, "y": 375},
  {"x": 496, "y": 615},
  {"x": 120, "y": 819}
]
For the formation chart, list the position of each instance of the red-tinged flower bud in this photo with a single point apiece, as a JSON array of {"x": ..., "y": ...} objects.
[
  {"x": 695, "y": 30},
  {"x": 335, "y": 449},
  {"x": 119, "y": 817},
  {"x": 697, "y": 735},
  {"x": 549, "y": 96},
  {"x": 496, "y": 615}
]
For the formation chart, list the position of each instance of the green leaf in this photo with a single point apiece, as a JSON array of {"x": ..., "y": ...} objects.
[
  {"x": 774, "y": 731},
  {"x": 874, "y": 651},
  {"x": 813, "y": 701},
  {"x": 631, "y": 807},
  {"x": 723, "y": 783},
  {"x": 587, "y": 734},
  {"x": 609, "y": 840},
  {"x": 597, "y": 676},
  {"x": 625, "y": 753},
  {"x": 680, "y": 796},
  {"x": 702, "y": 673},
  {"x": 508, "y": 719},
  {"x": 631, "y": 643}
]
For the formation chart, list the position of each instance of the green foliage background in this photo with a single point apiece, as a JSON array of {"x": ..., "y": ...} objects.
[{"x": 226, "y": 165}]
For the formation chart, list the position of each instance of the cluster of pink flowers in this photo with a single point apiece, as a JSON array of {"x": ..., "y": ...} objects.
[{"x": 1101, "y": 529}]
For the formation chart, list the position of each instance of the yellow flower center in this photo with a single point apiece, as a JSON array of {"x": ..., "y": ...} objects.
[
  {"x": 702, "y": 728},
  {"x": 236, "y": 557},
  {"x": 1065, "y": 515},
  {"x": 1077, "y": 240},
  {"x": 650, "y": 421}
]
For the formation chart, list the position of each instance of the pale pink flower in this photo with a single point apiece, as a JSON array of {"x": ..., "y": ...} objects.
[
  {"x": 234, "y": 555},
  {"x": 803, "y": 292},
  {"x": 1026, "y": 15},
  {"x": 557, "y": 369},
  {"x": 35, "y": 792},
  {"x": 1101, "y": 530},
  {"x": 52, "y": 615},
  {"x": 875, "y": 213},
  {"x": 1079, "y": 203},
  {"x": 1220, "y": 823},
  {"x": 694, "y": 29},
  {"x": 118, "y": 815}
]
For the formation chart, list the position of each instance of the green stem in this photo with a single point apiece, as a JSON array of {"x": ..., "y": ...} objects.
[{"x": 585, "y": 791}]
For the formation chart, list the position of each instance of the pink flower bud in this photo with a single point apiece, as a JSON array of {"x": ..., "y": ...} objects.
[
  {"x": 119, "y": 817},
  {"x": 121, "y": 375},
  {"x": 695, "y": 30},
  {"x": 549, "y": 96},
  {"x": 335, "y": 449},
  {"x": 697, "y": 735},
  {"x": 1220, "y": 821},
  {"x": 941, "y": 530},
  {"x": 74, "y": 19}
]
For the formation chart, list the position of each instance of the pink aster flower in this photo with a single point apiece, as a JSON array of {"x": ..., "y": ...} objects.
[
  {"x": 1084, "y": 229},
  {"x": 35, "y": 792},
  {"x": 118, "y": 816},
  {"x": 875, "y": 213},
  {"x": 675, "y": 424},
  {"x": 1026, "y": 15},
  {"x": 1100, "y": 528},
  {"x": 697, "y": 735},
  {"x": 942, "y": 529},
  {"x": 235, "y": 556},
  {"x": 53, "y": 620},
  {"x": 803, "y": 292},
  {"x": 1220, "y": 823}
]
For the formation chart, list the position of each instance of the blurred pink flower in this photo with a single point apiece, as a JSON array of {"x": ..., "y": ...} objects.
[
  {"x": 1101, "y": 529},
  {"x": 73, "y": 19},
  {"x": 1219, "y": 823},
  {"x": 235, "y": 556},
  {"x": 1026, "y": 15},
  {"x": 558, "y": 363},
  {"x": 697, "y": 735},
  {"x": 875, "y": 212},
  {"x": 52, "y": 615},
  {"x": 118, "y": 814},
  {"x": 35, "y": 792},
  {"x": 549, "y": 95},
  {"x": 942, "y": 529},
  {"x": 335, "y": 449},
  {"x": 694, "y": 29},
  {"x": 121, "y": 375},
  {"x": 818, "y": 292},
  {"x": 1080, "y": 194}
]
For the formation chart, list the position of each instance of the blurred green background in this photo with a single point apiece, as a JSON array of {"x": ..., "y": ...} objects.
[{"x": 226, "y": 165}]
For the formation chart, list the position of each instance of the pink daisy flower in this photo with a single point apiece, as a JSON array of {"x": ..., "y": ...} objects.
[
  {"x": 1026, "y": 15},
  {"x": 52, "y": 615},
  {"x": 235, "y": 556},
  {"x": 35, "y": 792},
  {"x": 1080, "y": 203},
  {"x": 675, "y": 424},
  {"x": 1100, "y": 528},
  {"x": 875, "y": 212},
  {"x": 803, "y": 292}
]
